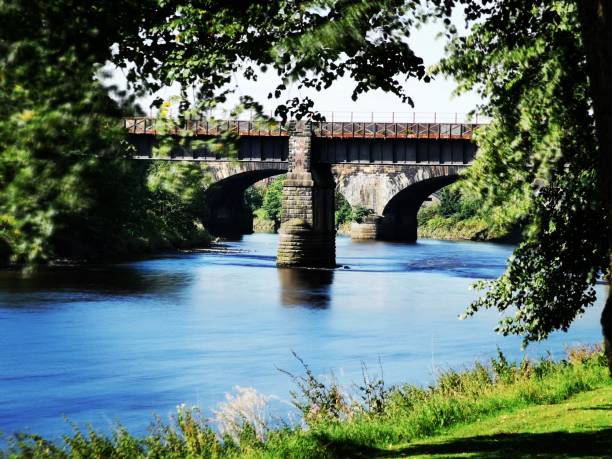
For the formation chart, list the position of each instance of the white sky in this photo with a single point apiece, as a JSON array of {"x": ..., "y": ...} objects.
[{"x": 435, "y": 96}]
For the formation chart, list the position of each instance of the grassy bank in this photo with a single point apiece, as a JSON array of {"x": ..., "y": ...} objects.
[
  {"x": 578, "y": 427},
  {"x": 474, "y": 412},
  {"x": 456, "y": 228},
  {"x": 458, "y": 217},
  {"x": 452, "y": 228},
  {"x": 261, "y": 222}
]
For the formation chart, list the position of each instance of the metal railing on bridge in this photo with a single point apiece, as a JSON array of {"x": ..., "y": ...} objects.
[
  {"x": 323, "y": 129},
  {"x": 345, "y": 116}
]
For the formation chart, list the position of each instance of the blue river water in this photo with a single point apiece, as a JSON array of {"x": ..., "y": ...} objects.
[{"x": 121, "y": 342}]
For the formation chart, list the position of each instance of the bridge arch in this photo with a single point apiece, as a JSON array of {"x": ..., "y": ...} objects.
[
  {"x": 399, "y": 217},
  {"x": 394, "y": 192},
  {"x": 226, "y": 210}
]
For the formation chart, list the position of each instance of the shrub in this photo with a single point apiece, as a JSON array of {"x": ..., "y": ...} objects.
[
  {"x": 450, "y": 202},
  {"x": 253, "y": 197},
  {"x": 315, "y": 399},
  {"x": 344, "y": 211},
  {"x": 584, "y": 354},
  {"x": 273, "y": 200},
  {"x": 360, "y": 212}
]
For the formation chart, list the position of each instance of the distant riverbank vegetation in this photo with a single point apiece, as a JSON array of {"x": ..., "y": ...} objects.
[
  {"x": 370, "y": 420},
  {"x": 456, "y": 214},
  {"x": 265, "y": 202}
]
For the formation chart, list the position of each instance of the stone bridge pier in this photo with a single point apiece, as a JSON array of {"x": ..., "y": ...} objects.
[
  {"x": 395, "y": 194},
  {"x": 307, "y": 236}
]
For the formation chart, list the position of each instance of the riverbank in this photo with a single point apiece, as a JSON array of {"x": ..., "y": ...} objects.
[
  {"x": 261, "y": 222},
  {"x": 203, "y": 243},
  {"x": 456, "y": 229},
  {"x": 499, "y": 409},
  {"x": 455, "y": 216},
  {"x": 158, "y": 206},
  {"x": 578, "y": 427}
]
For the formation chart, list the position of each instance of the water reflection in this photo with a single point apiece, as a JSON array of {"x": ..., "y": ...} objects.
[
  {"x": 308, "y": 288},
  {"x": 86, "y": 282}
]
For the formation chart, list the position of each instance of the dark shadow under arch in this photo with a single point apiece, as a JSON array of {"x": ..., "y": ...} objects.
[{"x": 226, "y": 211}]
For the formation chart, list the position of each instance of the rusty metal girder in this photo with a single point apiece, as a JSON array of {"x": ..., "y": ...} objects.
[{"x": 338, "y": 130}]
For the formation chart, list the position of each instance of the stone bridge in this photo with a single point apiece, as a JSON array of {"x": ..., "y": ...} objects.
[{"x": 390, "y": 168}]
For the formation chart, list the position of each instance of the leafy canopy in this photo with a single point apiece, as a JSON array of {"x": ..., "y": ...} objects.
[
  {"x": 201, "y": 44},
  {"x": 66, "y": 189},
  {"x": 537, "y": 160}
]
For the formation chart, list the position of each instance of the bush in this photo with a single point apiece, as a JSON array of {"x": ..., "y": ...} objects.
[
  {"x": 450, "y": 202},
  {"x": 273, "y": 200},
  {"x": 458, "y": 216},
  {"x": 316, "y": 400},
  {"x": 344, "y": 211},
  {"x": 253, "y": 197},
  {"x": 360, "y": 213}
]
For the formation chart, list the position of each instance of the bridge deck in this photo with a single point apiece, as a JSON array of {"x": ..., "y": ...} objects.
[{"x": 335, "y": 130}]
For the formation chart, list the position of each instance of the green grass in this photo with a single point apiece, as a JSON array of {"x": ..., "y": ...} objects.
[
  {"x": 434, "y": 226},
  {"x": 578, "y": 427},
  {"x": 498, "y": 409},
  {"x": 459, "y": 218},
  {"x": 414, "y": 413},
  {"x": 260, "y": 213},
  {"x": 439, "y": 227},
  {"x": 261, "y": 222}
]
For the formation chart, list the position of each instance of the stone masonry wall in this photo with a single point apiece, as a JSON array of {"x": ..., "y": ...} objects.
[
  {"x": 297, "y": 203},
  {"x": 373, "y": 186},
  {"x": 305, "y": 240}
]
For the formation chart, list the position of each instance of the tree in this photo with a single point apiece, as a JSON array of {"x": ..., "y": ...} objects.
[
  {"x": 540, "y": 159},
  {"x": 450, "y": 201},
  {"x": 253, "y": 197},
  {"x": 596, "y": 28},
  {"x": 66, "y": 189},
  {"x": 311, "y": 43},
  {"x": 344, "y": 211},
  {"x": 273, "y": 200},
  {"x": 360, "y": 212}
]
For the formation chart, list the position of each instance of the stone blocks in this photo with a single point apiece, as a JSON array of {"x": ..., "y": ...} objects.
[
  {"x": 307, "y": 236},
  {"x": 300, "y": 246},
  {"x": 368, "y": 229}
]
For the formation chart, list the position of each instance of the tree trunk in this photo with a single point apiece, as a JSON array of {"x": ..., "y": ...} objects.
[{"x": 596, "y": 25}]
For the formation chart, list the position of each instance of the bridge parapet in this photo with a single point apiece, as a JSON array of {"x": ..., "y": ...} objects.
[{"x": 324, "y": 129}]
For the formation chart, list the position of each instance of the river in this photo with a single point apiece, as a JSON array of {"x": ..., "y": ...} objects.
[{"x": 121, "y": 342}]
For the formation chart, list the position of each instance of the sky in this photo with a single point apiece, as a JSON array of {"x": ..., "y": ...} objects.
[{"x": 436, "y": 96}]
